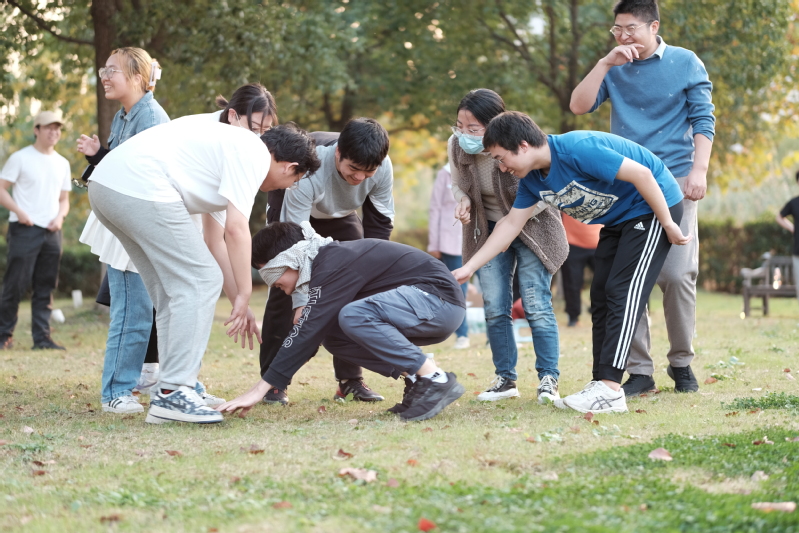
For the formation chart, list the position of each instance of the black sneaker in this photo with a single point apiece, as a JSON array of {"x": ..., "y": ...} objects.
[
  {"x": 360, "y": 391},
  {"x": 276, "y": 396},
  {"x": 403, "y": 406},
  {"x": 573, "y": 322},
  {"x": 638, "y": 384},
  {"x": 6, "y": 343},
  {"x": 47, "y": 344},
  {"x": 684, "y": 379},
  {"x": 428, "y": 398},
  {"x": 181, "y": 405}
]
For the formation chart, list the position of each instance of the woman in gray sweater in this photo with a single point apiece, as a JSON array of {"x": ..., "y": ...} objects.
[{"x": 485, "y": 195}]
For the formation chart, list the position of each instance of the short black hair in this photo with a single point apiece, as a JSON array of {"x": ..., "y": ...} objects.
[
  {"x": 363, "y": 141},
  {"x": 288, "y": 142},
  {"x": 510, "y": 128},
  {"x": 484, "y": 104},
  {"x": 644, "y": 10},
  {"x": 246, "y": 100},
  {"x": 275, "y": 238}
]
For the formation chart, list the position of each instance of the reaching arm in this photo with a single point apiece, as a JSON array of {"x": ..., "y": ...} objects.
[
  {"x": 214, "y": 237},
  {"x": 63, "y": 209},
  {"x": 504, "y": 232},
  {"x": 646, "y": 185}
]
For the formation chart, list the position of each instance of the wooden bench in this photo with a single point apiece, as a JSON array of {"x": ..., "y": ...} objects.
[{"x": 781, "y": 286}]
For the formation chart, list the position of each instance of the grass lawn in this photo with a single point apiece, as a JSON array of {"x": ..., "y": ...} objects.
[{"x": 512, "y": 466}]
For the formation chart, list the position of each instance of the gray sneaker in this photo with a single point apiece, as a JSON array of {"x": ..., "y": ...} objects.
[{"x": 182, "y": 405}]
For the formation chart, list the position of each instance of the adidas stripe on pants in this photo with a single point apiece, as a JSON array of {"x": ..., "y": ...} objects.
[{"x": 628, "y": 259}]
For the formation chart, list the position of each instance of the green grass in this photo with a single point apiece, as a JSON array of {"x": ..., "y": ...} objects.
[{"x": 513, "y": 466}]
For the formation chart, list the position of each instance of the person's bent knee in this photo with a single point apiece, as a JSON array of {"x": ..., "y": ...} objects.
[{"x": 352, "y": 315}]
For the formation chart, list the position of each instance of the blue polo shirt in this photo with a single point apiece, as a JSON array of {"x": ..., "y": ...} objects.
[{"x": 582, "y": 179}]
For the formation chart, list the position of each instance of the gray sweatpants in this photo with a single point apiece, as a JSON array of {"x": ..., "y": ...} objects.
[
  {"x": 677, "y": 279},
  {"x": 179, "y": 272}
]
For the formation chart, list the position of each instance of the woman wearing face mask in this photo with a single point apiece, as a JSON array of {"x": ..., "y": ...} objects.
[{"x": 485, "y": 195}]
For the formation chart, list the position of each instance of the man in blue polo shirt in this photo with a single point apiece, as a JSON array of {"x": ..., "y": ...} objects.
[
  {"x": 661, "y": 98},
  {"x": 595, "y": 178}
]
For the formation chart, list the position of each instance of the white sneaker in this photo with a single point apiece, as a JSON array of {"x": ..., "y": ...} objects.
[
  {"x": 499, "y": 389},
  {"x": 123, "y": 405},
  {"x": 148, "y": 377},
  {"x": 548, "y": 390},
  {"x": 597, "y": 397},
  {"x": 211, "y": 400},
  {"x": 461, "y": 343}
]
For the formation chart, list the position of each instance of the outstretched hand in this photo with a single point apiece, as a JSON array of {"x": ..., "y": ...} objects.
[
  {"x": 246, "y": 401},
  {"x": 88, "y": 145}
]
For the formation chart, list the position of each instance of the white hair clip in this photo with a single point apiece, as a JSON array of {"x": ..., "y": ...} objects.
[{"x": 155, "y": 73}]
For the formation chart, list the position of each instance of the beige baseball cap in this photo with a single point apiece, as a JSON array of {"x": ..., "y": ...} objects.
[{"x": 45, "y": 118}]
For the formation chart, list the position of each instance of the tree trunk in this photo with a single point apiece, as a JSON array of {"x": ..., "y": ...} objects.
[{"x": 102, "y": 12}]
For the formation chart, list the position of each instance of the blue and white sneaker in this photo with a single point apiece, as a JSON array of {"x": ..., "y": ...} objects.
[{"x": 182, "y": 405}]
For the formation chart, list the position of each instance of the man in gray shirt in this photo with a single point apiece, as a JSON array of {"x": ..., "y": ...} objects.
[{"x": 356, "y": 173}]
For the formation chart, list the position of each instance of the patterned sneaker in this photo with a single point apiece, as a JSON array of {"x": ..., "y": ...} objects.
[
  {"x": 181, "y": 405},
  {"x": 428, "y": 398},
  {"x": 461, "y": 343},
  {"x": 211, "y": 400},
  {"x": 548, "y": 390},
  {"x": 597, "y": 397},
  {"x": 684, "y": 379},
  {"x": 276, "y": 396},
  {"x": 638, "y": 384},
  {"x": 360, "y": 391},
  {"x": 147, "y": 378},
  {"x": 499, "y": 389},
  {"x": 47, "y": 344},
  {"x": 406, "y": 397},
  {"x": 123, "y": 405}
]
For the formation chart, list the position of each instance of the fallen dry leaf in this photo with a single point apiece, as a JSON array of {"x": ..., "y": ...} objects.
[
  {"x": 27, "y": 430},
  {"x": 341, "y": 455},
  {"x": 531, "y": 439},
  {"x": 589, "y": 416},
  {"x": 255, "y": 450},
  {"x": 732, "y": 414},
  {"x": 110, "y": 518},
  {"x": 785, "y": 507},
  {"x": 213, "y": 530},
  {"x": 754, "y": 411},
  {"x": 3, "y": 442},
  {"x": 660, "y": 454},
  {"x": 38, "y": 472},
  {"x": 710, "y": 380},
  {"x": 393, "y": 483},
  {"x": 786, "y": 370},
  {"x": 282, "y": 505},
  {"x": 360, "y": 474},
  {"x": 426, "y": 525},
  {"x": 38, "y": 463},
  {"x": 640, "y": 411},
  {"x": 574, "y": 429},
  {"x": 174, "y": 453},
  {"x": 729, "y": 445},
  {"x": 322, "y": 409},
  {"x": 471, "y": 374},
  {"x": 412, "y": 462},
  {"x": 85, "y": 445},
  {"x": 789, "y": 376},
  {"x": 427, "y": 430}
]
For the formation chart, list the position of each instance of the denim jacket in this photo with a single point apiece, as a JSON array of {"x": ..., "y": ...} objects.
[{"x": 144, "y": 114}]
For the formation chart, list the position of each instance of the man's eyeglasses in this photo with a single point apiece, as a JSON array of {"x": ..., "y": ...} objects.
[
  {"x": 629, "y": 30},
  {"x": 499, "y": 159},
  {"x": 106, "y": 73},
  {"x": 470, "y": 131}
]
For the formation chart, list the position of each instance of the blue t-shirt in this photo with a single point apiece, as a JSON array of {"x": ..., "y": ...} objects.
[{"x": 582, "y": 179}]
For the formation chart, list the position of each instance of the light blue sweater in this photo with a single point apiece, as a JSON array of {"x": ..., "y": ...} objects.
[{"x": 661, "y": 102}]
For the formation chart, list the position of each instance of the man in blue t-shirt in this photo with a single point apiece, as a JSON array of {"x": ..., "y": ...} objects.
[
  {"x": 661, "y": 98},
  {"x": 596, "y": 178}
]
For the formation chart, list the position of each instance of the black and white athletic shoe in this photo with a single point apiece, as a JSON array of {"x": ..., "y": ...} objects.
[
  {"x": 597, "y": 397},
  {"x": 360, "y": 391},
  {"x": 684, "y": 379},
  {"x": 405, "y": 403},
  {"x": 638, "y": 384},
  {"x": 548, "y": 390},
  {"x": 123, "y": 405},
  {"x": 276, "y": 396},
  {"x": 499, "y": 389},
  {"x": 181, "y": 405},
  {"x": 428, "y": 398}
]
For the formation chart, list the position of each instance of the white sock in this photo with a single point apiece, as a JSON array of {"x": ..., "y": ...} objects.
[
  {"x": 149, "y": 367},
  {"x": 411, "y": 377},
  {"x": 439, "y": 376}
]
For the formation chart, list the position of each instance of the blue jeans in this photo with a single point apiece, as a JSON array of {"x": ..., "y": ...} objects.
[
  {"x": 496, "y": 279},
  {"x": 128, "y": 333},
  {"x": 383, "y": 332},
  {"x": 454, "y": 262}
]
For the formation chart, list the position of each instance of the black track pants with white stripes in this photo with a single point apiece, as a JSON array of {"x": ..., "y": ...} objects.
[{"x": 628, "y": 259}]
